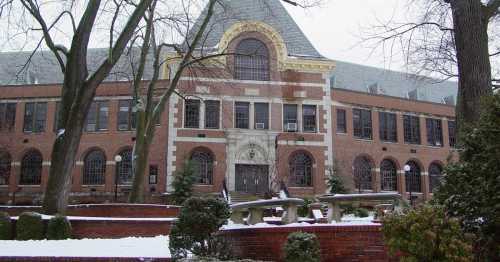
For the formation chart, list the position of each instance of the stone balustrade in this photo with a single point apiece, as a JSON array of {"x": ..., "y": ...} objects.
[
  {"x": 334, "y": 202},
  {"x": 256, "y": 210}
]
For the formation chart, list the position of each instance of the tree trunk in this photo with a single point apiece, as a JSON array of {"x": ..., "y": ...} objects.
[
  {"x": 471, "y": 40},
  {"x": 140, "y": 156}
]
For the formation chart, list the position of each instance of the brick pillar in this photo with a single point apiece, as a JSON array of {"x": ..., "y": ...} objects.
[
  {"x": 402, "y": 183},
  {"x": 376, "y": 182},
  {"x": 425, "y": 185}
]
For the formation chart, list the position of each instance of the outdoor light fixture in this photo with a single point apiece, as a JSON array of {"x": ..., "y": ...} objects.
[
  {"x": 118, "y": 159},
  {"x": 407, "y": 169}
]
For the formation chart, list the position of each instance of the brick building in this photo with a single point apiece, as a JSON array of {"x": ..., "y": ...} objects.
[{"x": 285, "y": 113}]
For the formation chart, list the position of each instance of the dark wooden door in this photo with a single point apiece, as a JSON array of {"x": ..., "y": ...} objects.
[{"x": 252, "y": 179}]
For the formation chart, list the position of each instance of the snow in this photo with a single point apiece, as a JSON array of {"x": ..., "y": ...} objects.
[
  {"x": 137, "y": 247},
  {"x": 60, "y": 133}
]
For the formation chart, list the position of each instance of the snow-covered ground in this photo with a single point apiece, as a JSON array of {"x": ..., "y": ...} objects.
[{"x": 136, "y": 247}]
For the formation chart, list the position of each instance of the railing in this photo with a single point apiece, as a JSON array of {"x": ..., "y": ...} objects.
[
  {"x": 256, "y": 210},
  {"x": 334, "y": 202}
]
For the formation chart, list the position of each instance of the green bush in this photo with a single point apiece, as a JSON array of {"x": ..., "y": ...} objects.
[
  {"x": 425, "y": 234},
  {"x": 196, "y": 227},
  {"x": 183, "y": 184},
  {"x": 30, "y": 226},
  {"x": 361, "y": 212},
  {"x": 334, "y": 181},
  {"x": 303, "y": 210},
  {"x": 58, "y": 228},
  {"x": 5, "y": 226},
  {"x": 302, "y": 247}
]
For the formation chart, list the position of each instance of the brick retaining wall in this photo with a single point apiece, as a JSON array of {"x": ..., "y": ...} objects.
[{"x": 338, "y": 243}]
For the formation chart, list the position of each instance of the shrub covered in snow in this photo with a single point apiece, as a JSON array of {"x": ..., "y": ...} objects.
[
  {"x": 5, "y": 226},
  {"x": 470, "y": 190},
  {"x": 183, "y": 184},
  {"x": 426, "y": 234},
  {"x": 195, "y": 230},
  {"x": 58, "y": 228},
  {"x": 30, "y": 226},
  {"x": 302, "y": 247}
]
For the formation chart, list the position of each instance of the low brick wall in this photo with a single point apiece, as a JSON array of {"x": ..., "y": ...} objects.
[
  {"x": 78, "y": 259},
  {"x": 119, "y": 228},
  {"x": 338, "y": 243},
  {"x": 105, "y": 210}
]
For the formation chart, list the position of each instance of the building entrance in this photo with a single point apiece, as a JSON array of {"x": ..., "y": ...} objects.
[{"x": 252, "y": 179}]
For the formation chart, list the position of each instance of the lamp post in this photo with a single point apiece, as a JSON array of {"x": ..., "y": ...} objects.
[
  {"x": 118, "y": 159},
  {"x": 407, "y": 174}
]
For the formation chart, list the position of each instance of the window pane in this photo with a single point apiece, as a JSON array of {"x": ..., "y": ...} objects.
[
  {"x": 300, "y": 170},
  {"x": 40, "y": 116},
  {"x": 341, "y": 121},
  {"x": 242, "y": 114},
  {"x": 203, "y": 167},
  {"x": 91, "y": 120},
  {"x": 452, "y": 133},
  {"x": 362, "y": 123},
  {"x": 29, "y": 113},
  {"x": 309, "y": 118},
  {"x": 94, "y": 168},
  {"x": 7, "y": 116},
  {"x": 434, "y": 132},
  {"x": 289, "y": 117},
  {"x": 103, "y": 116},
  {"x": 411, "y": 129},
  {"x": 261, "y": 115},
  {"x": 388, "y": 127},
  {"x": 251, "y": 61},
  {"x": 124, "y": 167},
  {"x": 124, "y": 114},
  {"x": 31, "y": 168},
  {"x": 192, "y": 114},
  {"x": 212, "y": 114}
]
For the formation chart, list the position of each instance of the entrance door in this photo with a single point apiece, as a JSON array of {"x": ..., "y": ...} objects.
[{"x": 252, "y": 179}]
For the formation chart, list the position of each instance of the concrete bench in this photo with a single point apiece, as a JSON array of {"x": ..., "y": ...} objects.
[
  {"x": 256, "y": 210},
  {"x": 334, "y": 202}
]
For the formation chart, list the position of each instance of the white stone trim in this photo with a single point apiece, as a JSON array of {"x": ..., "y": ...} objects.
[
  {"x": 200, "y": 139},
  {"x": 301, "y": 143},
  {"x": 57, "y": 99},
  {"x": 237, "y": 81},
  {"x": 46, "y": 163},
  {"x": 172, "y": 133},
  {"x": 328, "y": 123}
]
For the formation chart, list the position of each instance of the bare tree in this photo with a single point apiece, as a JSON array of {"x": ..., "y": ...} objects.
[
  {"x": 451, "y": 38},
  {"x": 79, "y": 85}
]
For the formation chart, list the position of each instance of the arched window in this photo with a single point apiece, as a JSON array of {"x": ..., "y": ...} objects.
[
  {"x": 5, "y": 163},
  {"x": 251, "y": 61},
  {"x": 94, "y": 168},
  {"x": 435, "y": 176},
  {"x": 31, "y": 168},
  {"x": 301, "y": 165},
  {"x": 388, "y": 175},
  {"x": 363, "y": 171},
  {"x": 203, "y": 165},
  {"x": 124, "y": 167},
  {"x": 412, "y": 178}
]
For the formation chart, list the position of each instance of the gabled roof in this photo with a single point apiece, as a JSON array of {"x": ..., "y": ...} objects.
[
  {"x": 271, "y": 12},
  {"x": 392, "y": 83}
]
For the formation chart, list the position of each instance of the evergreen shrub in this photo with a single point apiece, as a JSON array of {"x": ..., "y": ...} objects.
[
  {"x": 58, "y": 228},
  {"x": 30, "y": 226},
  {"x": 302, "y": 247},
  {"x": 5, "y": 226}
]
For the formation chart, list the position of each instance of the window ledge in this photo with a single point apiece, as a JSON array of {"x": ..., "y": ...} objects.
[
  {"x": 363, "y": 139},
  {"x": 342, "y": 133},
  {"x": 93, "y": 185},
  {"x": 29, "y": 185},
  {"x": 389, "y": 142}
]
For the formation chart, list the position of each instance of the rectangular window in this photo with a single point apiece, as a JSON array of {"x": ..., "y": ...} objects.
[
  {"x": 97, "y": 117},
  {"x": 309, "y": 118},
  {"x": 192, "y": 114},
  {"x": 153, "y": 174},
  {"x": 290, "y": 122},
  {"x": 434, "y": 132},
  {"x": 452, "y": 133},
  {"x": 362, "y": 123},
  {"x": 212, "y": 111},
  {"x": 7, "y": 117},
  {"x": 242, "y": 114},
  {"x": 261, "y": 115},
  {"x": 388, "y": 127},
  {"x": 341, "y": 121},
  {"x": 126, "y": 115},
  {"x": 35, "y": 114},
  {"x": 411, "y": 129}
]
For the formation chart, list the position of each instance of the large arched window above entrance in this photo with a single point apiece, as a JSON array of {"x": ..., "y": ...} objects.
[
  {"x": 388, "y": 175},
  {"x": 363, "y": 171},
  {"x": 435, "y": 176},
  {"x": 251, "y": 61},
  {"x": 412, "y": 177},
  {"x": 5, "y": 163},
  {"x": 124, "y": 167},
  {"x": 203, "y": 165},
  {"x": 94, "y": 168},
  {"x": 301, "y": 165},
  {"x": 31, "y": 168}
]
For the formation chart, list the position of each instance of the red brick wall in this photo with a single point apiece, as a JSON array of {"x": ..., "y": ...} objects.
[
  {"x": 81, "y": 259},
  {"x": 338, "y": 243}
]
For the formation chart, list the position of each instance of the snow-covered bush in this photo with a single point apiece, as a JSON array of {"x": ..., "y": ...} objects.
[
  {"x": 5, "y": 226},
  {"x": 30, "y": 226},
  {"x": 302, "y": 247},
  {"x": 471, "y": 187},
  {"x": 183, "y": 184},
  {"x": 361, "y": 212},
  {"x": 58, "y": 228},
  {"x": 196, "y": 227},
  {"x": 425, "y": 234}
]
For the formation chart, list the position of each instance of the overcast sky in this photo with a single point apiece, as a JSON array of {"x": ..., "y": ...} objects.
[{"x": 335, "y": 29}]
